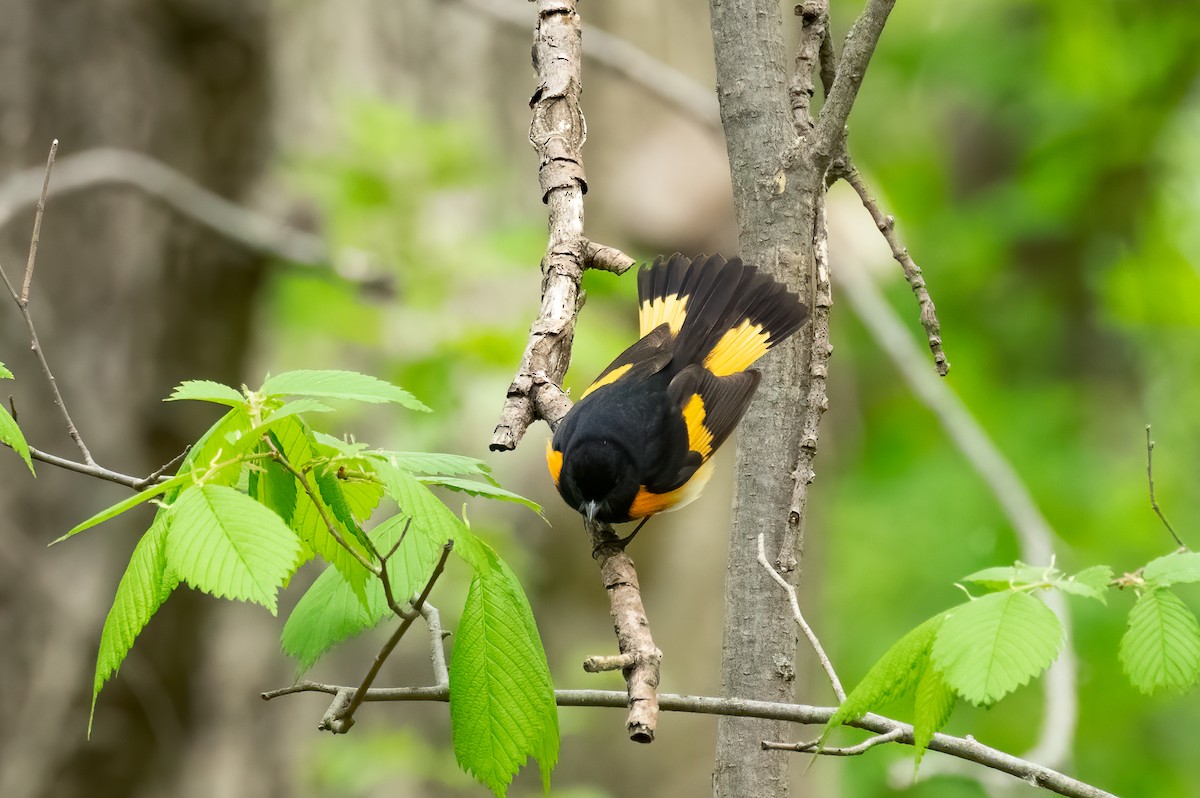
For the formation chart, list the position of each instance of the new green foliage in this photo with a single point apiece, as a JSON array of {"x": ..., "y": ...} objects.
[
  {"x": 1161, "y": 647},
  {"x": 340, "y": 385},
  {"x": 991, "y": 646},
  {"x": 207, "y": 391},
  {"x": 934, "y": 702},
  {"x": 257, "y": 496},
  {"x": 502, "y": 706},
  {"x": 1182, "y": 567},
  {"x": 895, "y": 675},
  {"x": 146, "y": 584},
  {"x": 225, "y": 543},
  {"x": 10, "y": 433}
]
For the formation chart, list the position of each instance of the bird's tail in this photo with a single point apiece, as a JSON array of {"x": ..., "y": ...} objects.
[{"x": 724, "y": 314}]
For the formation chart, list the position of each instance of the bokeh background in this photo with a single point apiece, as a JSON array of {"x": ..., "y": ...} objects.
[{"x": 1042, "y": 158}]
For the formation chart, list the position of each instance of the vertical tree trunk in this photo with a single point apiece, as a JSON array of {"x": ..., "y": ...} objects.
[
  {"x": 129, "y": 299},
  {"x": 778, "y": 205}
]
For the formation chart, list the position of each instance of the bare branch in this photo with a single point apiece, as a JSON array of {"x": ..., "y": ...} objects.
[
  {"x": 814, "y": 31},
  {"x": 675, "y": 88},
  {"x": 856, "y": 54},
  {"x": 966, "y": 748},
  {"x": 834, "y": 681},
  {"x": 437, "y": 643},
  {"x": 609, "y": 259},
  {"x": 109, "y": 166},
  {"x": 557, "y": 131},
  {"x": 814, "y": 746},
  {"x": 339, "y": 720},
  {"x": 91, "y": 470},
  {"x": 887, "y": 226},
  {"x": 639, "y": 658},
  {"x": 1154, "y": 502},
  {"x": 816, "y": 401},
  {"x": 37, "y": 224}
]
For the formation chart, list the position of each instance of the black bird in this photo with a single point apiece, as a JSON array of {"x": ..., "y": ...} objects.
[{"x": 640, "y": 439}]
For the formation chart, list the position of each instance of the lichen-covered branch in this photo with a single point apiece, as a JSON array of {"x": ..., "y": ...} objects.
[{"x": 557, "y": 133}]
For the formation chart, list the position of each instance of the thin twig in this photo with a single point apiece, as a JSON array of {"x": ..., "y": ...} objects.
[
  {"x": 912, "y": 273},
  {"x": 92, "y": 470},
  {"x": 834, "y": 681},
  {"x": 814, "y": 746},
  {"x": 341, "y": 721},
  {"x": 1154, "y": 502},
  {"x": 329, "y": 525},
  {"x": 37, "y": 224},
  {"x": 157, "y": 476},
  {"x": 856, "y": 54},
  {"x": 437, "y": 643},
  {"x": 965, "y": 748}
]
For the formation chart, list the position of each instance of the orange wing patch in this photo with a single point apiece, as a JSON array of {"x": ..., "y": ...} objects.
[
  {"x": 700, "y": 438},
  {"x": 670, "y": 310},
  {"x": 554, "y": 461},
  {"x": 647, "y": 503},
  {"x": 607, "y": 379},
  {"x": 738, "y": 349}
]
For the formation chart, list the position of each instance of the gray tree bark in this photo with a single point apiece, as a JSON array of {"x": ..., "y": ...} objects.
[
  {"x": 779, "y": 205},
  {"x": 129, "y": 299}
]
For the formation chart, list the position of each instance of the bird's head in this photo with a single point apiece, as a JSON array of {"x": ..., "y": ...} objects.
[{"x": 598, "y": 479}]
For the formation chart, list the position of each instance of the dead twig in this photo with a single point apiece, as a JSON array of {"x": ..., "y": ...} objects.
[
  {"x": 340, "y": 717},
  {"x": 826, "y": 665},
  {"x": 1153, "y": 501}
]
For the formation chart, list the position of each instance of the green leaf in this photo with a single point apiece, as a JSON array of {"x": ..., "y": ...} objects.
[
  {"x": 502, "y": 708},
  {"x": 127, "y": 504},
  {"x": 415, "y": 500},
  {"x": 144, "y": 587},
  {"x": 480, "y": 489},
  {"x": 991, "y": 646},
  {"x": 337, "y": 446},
  {"x": 340, "y": 385},
  {"x": 895, "y": 674},
  {"x": 296, "y": 443},
  {"x": 299, "y": 406},
  {"x": 229, "y": 545},
  {"x": 5, "y": 374},
  {"x": 333, "y": 610},
  {"x": 1090, "y": 582},
  {"x": 1161, "y": 648},
  {"x": 330, "y": 611},
  {"x": 1173, "y": 569},
  {"x": 330, "y": 488},
  {"x": 438, "y": 464},
  {"x": 275, "y": 488},
  {"x": 11, "y": 434},
  {"x": 231, "y": 433},
  {"x": 1010, "y": 576},
  {"x": 934, "y": 703},
  {"x": 363, "y": 496},
  {"x": 207, "y": 391}
]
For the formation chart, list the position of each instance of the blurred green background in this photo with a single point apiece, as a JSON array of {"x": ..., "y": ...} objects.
[{"x": 1042, "y": 159}]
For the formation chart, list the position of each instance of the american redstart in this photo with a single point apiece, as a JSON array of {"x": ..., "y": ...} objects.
[{"x": 640, "y": 440}]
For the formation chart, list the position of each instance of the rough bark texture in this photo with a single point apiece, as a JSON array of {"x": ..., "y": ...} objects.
[
  {"x": 128, "y": 300},
  {"x": 776, "y": 198}
]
